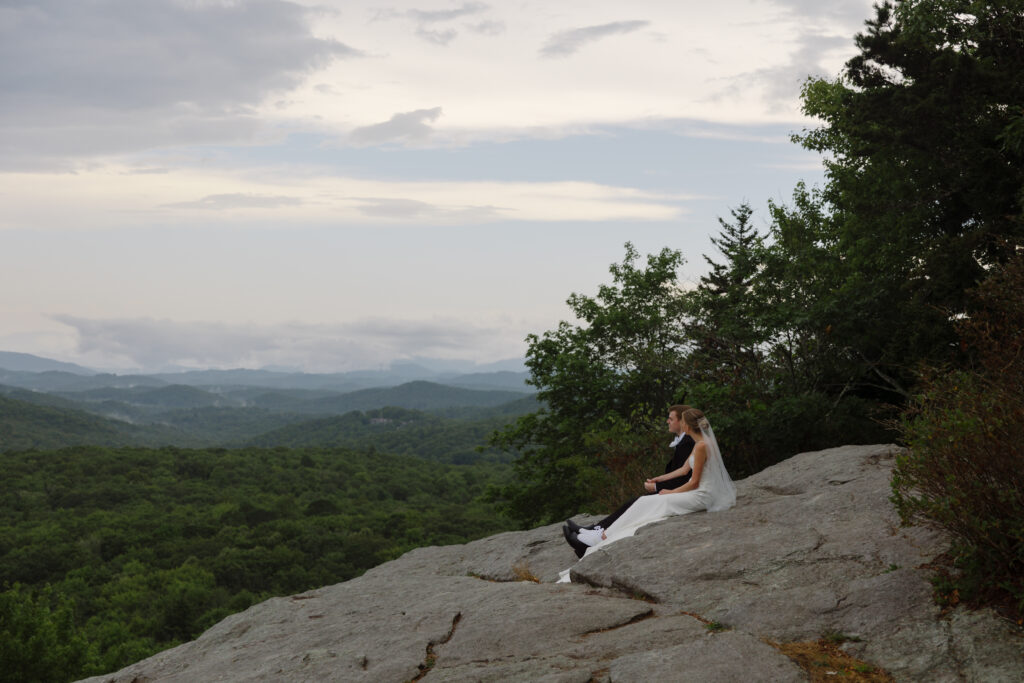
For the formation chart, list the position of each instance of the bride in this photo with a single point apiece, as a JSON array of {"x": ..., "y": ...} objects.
[{"x": 709, "y": 488}]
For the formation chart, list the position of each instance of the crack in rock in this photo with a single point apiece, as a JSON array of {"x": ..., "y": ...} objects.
[
  {"x": 635, "y": 619},
  {"x": 431, "y": 659},
  {"x": 617, "y": 585}
]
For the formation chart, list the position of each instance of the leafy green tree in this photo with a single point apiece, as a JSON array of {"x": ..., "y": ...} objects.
[
  {"x": 922, "y": 139},
  {"x": 760, "y": 367},
  {"x": 39, "y": 639},
  {"x": 725, "y": 316},
  {"x": 616, "y": 370}
]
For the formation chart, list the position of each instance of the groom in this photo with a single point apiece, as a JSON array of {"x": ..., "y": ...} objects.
[{"x": 581, "y": 537}]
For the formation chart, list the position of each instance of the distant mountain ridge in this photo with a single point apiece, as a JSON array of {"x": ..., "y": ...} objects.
[
  {"x": 34, "y": 372},
  {"x": 52, "y": 408},
  {"x": 26, "y": 362}
]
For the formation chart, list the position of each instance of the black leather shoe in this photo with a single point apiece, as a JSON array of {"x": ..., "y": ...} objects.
[
  {"x": 575, "y": 528},
  {"x": 577, "y": 545}
]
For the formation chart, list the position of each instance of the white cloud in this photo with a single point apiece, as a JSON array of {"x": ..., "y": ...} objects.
[
  {"x": 843, "y": 11},
  {"x": 779, "y": 84},
  {"x": 116, "y": 75},
  {"x": 426, "y": 21},
  {"x": 431, "y": 16},
  {"x": 157, "y": 344},
  {"x": 565, "y": 43},
  {"x": 488, "y": 28},
  {"x": 405, "y": 127},
  {"x": 412, "y": 209},
  {"x": 111, "y": 198},
  {"x": 268, "y": 160},
  {"x": 438, "y": 37},
  {"x": 237, "y": 201}
]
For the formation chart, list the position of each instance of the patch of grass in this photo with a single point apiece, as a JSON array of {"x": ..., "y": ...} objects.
[
  {"x": 825, "y": 662},
  {"x": 838, "y": 638},
  {"x": 715, "y": 627},
  {"x": 522, "y": 573}
]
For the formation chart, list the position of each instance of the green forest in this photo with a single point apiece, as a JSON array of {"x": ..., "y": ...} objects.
[
  {"x": 883, "y": 306},
  {"x": 111, "y": 554},
  {"x": 119, "y": 539}
]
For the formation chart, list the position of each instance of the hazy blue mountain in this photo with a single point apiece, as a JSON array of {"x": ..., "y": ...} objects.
[
  {"x": 419, "y": 395},
  {"x": 336, "y": 382},
  {"x": 216, "y": 426},
  {"x": 242, "y": 377},
  {"x": 275, "y": 399},
  {"x": 26, "y": 362},
  {"x": 170, "y": 397},
  {"x": 39, "y": 398},
  {"x": 460, "y": 373},
  {"x": 43, "y": 374},
  {"x": 504, "y": 380},
  {"x": 58, "y": 380},
  {"x": 463, "y": 367}
]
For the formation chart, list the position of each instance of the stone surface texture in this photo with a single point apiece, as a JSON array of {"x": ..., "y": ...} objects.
[{"x": 812, "y": 547}]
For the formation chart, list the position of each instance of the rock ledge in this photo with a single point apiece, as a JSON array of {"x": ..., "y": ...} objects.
[{"x": 813, "y": 546}]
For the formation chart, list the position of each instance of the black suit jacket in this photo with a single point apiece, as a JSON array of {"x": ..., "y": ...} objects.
[{"x": 679, "y": 455}]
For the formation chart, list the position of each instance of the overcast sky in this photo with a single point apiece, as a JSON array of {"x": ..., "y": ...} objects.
[{"x": 331, "y": 185}]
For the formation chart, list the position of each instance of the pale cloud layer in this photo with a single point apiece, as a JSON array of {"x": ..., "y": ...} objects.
[
  {"x": 333, "y": 182},
  {"x": 114, "y": 198},
  {"x": 158, "y": 345},
  {"x": 565, "y": 43},
  {"x": 412, "y": 126}
]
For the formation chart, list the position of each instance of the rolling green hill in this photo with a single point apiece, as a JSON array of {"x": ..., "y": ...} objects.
[{"x": 25, "y": 425}]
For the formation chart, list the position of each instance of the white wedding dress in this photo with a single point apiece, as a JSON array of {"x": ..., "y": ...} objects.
[{"x": 715, "y": 492}]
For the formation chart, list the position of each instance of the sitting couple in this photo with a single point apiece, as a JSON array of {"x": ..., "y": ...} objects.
[{"x": 695, "y": 479}]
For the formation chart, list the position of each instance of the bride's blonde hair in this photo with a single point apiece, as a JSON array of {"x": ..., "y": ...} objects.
[{"x": 695, "y": 419}]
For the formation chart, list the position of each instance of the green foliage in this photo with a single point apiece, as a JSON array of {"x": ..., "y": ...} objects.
[
  {"x": 770, "y": 386},
  {"x": 925, "y": 177},
  {"x": 398, "y": 431},
  {"x": 617, "y": 369},
  {"x": 965, "y": 468},
  {"x": 39, "y": 639},
  {"x": 147, "y": 548},
  {"x": 25, "y": 425}
]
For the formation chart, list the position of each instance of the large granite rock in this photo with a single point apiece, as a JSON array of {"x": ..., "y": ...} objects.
[{"x": 812, "y": 547}]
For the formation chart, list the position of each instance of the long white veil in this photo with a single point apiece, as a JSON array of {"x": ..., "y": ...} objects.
[{"x": 719, "y": 483}]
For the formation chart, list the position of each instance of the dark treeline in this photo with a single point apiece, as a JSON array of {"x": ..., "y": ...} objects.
[{"x": 108, "y": 555}]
